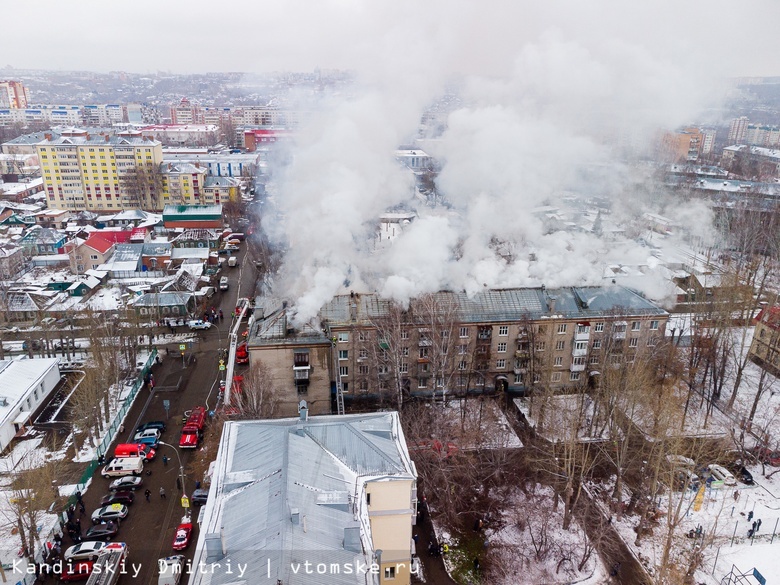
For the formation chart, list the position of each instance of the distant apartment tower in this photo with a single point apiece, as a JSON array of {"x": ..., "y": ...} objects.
[
  {"x": 185, "y": 112},
  {"x": 13, "y": 94},
  {"x": 103, "y": 114},
  {"x": 708, "y": 140},
  {"x": 85, "y": 172},
  {"x": 762, "y": 135},
  {"x": 737, "y": 130},
  {"x": 682, "y": 146}
]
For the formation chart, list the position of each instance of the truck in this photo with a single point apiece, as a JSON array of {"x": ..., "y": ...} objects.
[
  {"x": 171, "y": 569},
  {"x": 232, "y": 261},
  {"x": 193, "y": 428},
  {"x": 109, "y": 565}
]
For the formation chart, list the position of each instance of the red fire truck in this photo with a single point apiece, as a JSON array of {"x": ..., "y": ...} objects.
[{"x": 193, "y": 428}]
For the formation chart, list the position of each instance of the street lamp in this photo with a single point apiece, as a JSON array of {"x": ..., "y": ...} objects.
[{"x": 181, "y": 474}]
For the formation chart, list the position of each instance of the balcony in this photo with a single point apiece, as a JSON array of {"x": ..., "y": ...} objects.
[
  {"x": 425, "y": 343},
  {"x": 582, "y": 333},
  {"x": 519, "y": 371},
  {"x": 578, "y": 352},
  {"x": 522, "y": 353},
  {"x": 577, "y": 367}
]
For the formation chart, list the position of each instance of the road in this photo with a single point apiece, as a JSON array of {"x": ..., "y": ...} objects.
[{"x": 150, "y": 527}]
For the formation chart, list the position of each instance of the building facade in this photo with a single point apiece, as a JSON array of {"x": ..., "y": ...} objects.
[
  {"x": 765, "y": 348},
  {"x": 13, "y": 94}
]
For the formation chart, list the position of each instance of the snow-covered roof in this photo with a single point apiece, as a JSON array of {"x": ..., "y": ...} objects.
[{"x": 17, "y": 379}]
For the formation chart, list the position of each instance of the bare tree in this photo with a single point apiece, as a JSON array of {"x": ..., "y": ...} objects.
[{"x": 258, "y": 398}]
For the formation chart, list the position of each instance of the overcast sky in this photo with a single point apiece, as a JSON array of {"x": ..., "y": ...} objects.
[{"x": 724, "y": 37}]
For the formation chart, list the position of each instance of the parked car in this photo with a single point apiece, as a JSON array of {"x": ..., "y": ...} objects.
[
  {"x": 181, "y": 539},
  {"x": 102, "y": 531},
  {"x": 150, "y": 441},
  {"x": 766, "y": 455},
  {"x": 120, "y": 497},
  {"x": 742, "y": 474},
  {"x": 112, "y": 512},
  {"x": 198, "y": 324},
  {"x": 139, "y": 435},
  {"x": 224, "y": 283},
  {"x": 199, "y": 497},
  {"x": 720, "y": 473},
  {"x": 79, "y": 571},
  {"x": 84, "y": 551},
  {"x": 36, "y": 345},
  {"x": 67, "y": 343},
  {"x": 686, "y": 479},
  {"x": 152, "y": 424},
  {"x": 126, "y": 483},
  {"x": 121, "y": 466}
]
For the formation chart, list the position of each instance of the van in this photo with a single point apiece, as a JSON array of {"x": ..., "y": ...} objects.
[
  {"x": 223, "y": 283},
  {"x": 236, "y": 236},
  {"x": 121, "y": 466},
  {"x": 232, "y": 261},
  {"x": 720, "y": 473},
  {"x": 146, "y": 452}
]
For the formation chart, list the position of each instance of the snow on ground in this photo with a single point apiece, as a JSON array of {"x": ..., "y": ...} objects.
[
  {"x": 552, "y": 416},
  {"x": 474, "y": 423}
]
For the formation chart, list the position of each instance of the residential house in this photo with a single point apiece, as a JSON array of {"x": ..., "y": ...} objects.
[
  {"x": 155, "y": 255},
  {"x": 198, "y": 238},
  {"x": 11, "y": 262},
  {"x": 193, "y": 216},
  {"x": 40, "y": 241},
  {"x": 334, "y": 492},
  {"x": 52, "y": 218},
  {"x": 155, "y": 306},
  {"x": 90, "y": 253},
  {"x": 83, "y": 288},
  {"x": 765, "y": 348},
  {"x": 22, "y": 306}
]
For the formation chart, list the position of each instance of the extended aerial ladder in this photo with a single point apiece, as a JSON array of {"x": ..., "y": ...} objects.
[{"x": 109, "y": 565}]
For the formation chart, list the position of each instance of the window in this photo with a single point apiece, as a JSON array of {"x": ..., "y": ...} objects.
[
  {"x": 363, "y": 386},
  {"x": 652, "y": 342},
  {"x": 636, "y": 325},
  {"x": 363, "y": 336},
  {"x": 405, "y": 351},
  {"x": 462, "y": 365},
  {"x": 464, "y": 332},
  {"x": 633, "y": 342},
  {"x": 363, "y": 370},
  {"x": 653, "y": 325},
  {"x": 301, "y": 359},
  {"x": 404, "y": 334},
  {"x": 462, "y": 349},
  {"x": 562, "y": 328},
  {"x": 558, "y": 362},
  {"x": 574, "y": 376},
  {"x": 460, "y": 380},
  {"x": 382, "y": 368},
  {"x": 581, "y": 345},
  {"x": 541, "y": 329},
  {"x": 599, "y": 327},
  {"x": 343, "y": 371},
  {"x": 556, "y": 377},
  {"x": 389, "y": 572},
  {"x": 560, "y": 345},
  {"x": 579, "y": 361},
  {"x": 537, "y": 377},
  {"x": 583, "y": 329},
  {"x": 619, "y": 327},
  {"x": 343, "y": 337},
  {"x": 422, "y": 383},
  {"x": 500, "y": 364},
  {"x": 594, "y": 360},
  {"x": 502, "y": 348},
  {"x": 539, "y": 346},
  {"x": 363, "y": 354},
  {"x": 445, "y": 334},
  {"x": 503, "y": 330},
  {"x": 93, "y": 257},
  {"x": 403, "y": 368},
  {"x": 423, "y": 353},
  {"x": 343, "y": 354},
  {"x": 597, "y": 344},
  {"x": 345, "y": 386}
]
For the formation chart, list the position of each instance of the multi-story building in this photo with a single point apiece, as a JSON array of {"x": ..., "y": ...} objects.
[
  {"x": 86, "y": 172},
  {"x": 765, "y": 348},
  {"x": 682, "y": 146},
  {"x": 328, "y": 499},
  {"x": 14, "y": 94},
  {"x": 752, "y": 161},
  {"x": 183, "y": 134},
  {"x": 737, "y": 130},
  {"x": 447, "y": 343},
  {"x": 185, "y": 112},
  {"x": 102, "y": 114}
]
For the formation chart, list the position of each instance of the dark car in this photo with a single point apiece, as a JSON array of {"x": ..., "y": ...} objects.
[
  {"x": 102, "y": 531},
  {"x": 120, "y": 497},
  {"x": 741, "y": 474},
  {"x": 36, "y": 345},
  {"x": 155, "y": 424},
  {"x": 199, "y": 497}
]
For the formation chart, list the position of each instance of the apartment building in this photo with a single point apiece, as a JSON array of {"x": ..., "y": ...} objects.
[
  {"x": 13, "y": 94},
  {"x": 329, "y": 500},
  {"x": 84, "y": 172},
  {"x": 449, "y": 343},
  {"x": 765, "y": 348},
  {"x": 190, "y": 184}
]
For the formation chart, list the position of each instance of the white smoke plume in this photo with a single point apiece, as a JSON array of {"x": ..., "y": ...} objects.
[{"x": 549, "y": 94}]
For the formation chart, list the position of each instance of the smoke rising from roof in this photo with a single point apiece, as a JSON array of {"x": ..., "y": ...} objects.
[{"x": 548, "y": 96}]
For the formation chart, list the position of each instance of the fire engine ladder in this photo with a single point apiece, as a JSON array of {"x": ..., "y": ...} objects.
[
  {"x": 107, "y": 568},
  {"x": 244, "y": 304},
  {"x": 339, "y": 387}
]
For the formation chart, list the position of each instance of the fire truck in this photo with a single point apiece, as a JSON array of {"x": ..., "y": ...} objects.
[
  {"x": 109, "y": 565},
  {"x": 193, "y": 428}
]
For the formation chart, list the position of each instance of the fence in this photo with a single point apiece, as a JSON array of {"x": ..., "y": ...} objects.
[{"x": 116, "y": 422}]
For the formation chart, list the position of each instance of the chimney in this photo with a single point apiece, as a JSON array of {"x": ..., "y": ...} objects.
[
  {"x": 551, "y": 303},
  {"x": 47, "y": 136},
  {"x": 87, "y": 134},
  {"x": 197, "y": 164},
  {"x": 214, "y": 548},
  {"x": 295, "y": 515},
  {"x": 303, "y": 411},
  {"x": 352, "y": 538},
  {"x": 107, "y": 137}
]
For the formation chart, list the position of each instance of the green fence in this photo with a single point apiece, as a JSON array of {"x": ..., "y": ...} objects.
[{"x": 116, "y": 422}]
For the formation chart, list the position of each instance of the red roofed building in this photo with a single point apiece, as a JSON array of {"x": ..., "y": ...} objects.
[
  {"x": 765, "y": 349},
  {"x": 90, "y": 253},
  {"x": 255, "y": 137}
]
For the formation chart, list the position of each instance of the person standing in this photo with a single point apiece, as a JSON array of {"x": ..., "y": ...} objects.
[
  {"x": 165, "y": 460},
  {"x": 162, "y": 493},
  {"x": 148, "y": 494}
]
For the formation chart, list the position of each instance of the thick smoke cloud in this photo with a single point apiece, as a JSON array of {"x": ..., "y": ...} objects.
[{"x": 546, "y": 94}]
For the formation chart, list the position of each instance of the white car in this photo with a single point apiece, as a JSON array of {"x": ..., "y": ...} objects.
[
  {"x": 110, "y": 512},
  {"x": 198, "y": 324},
  {"x": 720, "y": 473},
  {"x": 129, "y": 482},
  {"x": 84, "y": 551},
  {"x": 146, "y": 433},
  {"x": 170, "y": 570}
]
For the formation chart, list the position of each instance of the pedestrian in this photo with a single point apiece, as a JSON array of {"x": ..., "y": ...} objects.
[
  {"x": 79, "y": 497},
  {"x": 148, "y": 495},
  {"x": 82, "y": 509},
  {"x": 754, "y": 525},
  {"x": 615, "y": 570},
  {"x": 165, "y": 460},
  {"x": 178, "y": 483},
  {"x": 232, "y": 314},
  {"x": 750, "y": 533},
  {"x": 197, "y": 485},
  {"x": 221, "y": 316},
  {"x": 476, "y": 564},
  {"x": 736, "y": 495},
  {"x": 71, "y": 511},
  {"x": 78, "y": 527},
  {"x": 758, "y": 524},
  {"x": 162, "y": 492},
  {"x": 750, "y": 515}
]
